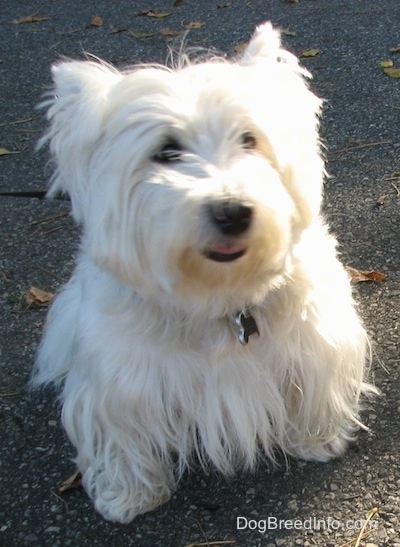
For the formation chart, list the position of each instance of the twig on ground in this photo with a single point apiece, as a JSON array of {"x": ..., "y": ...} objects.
[
  {"x": 357, "y": 146},
  {"x": 25, "y": 120},
  {"x": 396, "y": 188}
]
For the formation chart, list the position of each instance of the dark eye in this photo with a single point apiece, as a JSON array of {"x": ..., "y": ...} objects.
[
  {"x": 248, "y": 141},
  {"x": 171, "y": 151}
]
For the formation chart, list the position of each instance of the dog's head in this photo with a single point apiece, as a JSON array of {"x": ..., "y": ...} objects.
[{"x": 194, "y": 182}]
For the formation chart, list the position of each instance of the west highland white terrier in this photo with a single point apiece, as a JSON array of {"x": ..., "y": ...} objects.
[{"x": 208, "y": 316}]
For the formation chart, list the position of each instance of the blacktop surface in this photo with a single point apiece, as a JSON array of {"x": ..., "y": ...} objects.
[{"x": 307, "y": 504}]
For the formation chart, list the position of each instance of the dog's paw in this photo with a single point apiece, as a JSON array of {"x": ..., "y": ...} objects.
[
  {"x": 124, "y": 505},
  {"x": 321, "y": 450},
  {"x": 122, "y": 494}
]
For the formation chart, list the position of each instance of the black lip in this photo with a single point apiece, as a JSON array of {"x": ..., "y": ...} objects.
[{"x": 223, "y": 257}]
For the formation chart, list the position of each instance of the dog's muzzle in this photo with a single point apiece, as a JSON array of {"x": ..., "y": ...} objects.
[{"x": 232, "y": 219}]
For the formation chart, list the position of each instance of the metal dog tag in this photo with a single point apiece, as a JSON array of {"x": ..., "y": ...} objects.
[{"x": 247, "y": 326}]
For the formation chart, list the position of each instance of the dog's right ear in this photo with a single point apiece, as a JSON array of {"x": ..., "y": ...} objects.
[{"x": 76, "y": 109}]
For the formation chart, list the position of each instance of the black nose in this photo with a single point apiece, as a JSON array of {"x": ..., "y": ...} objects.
[{"x": 232, "y": 218}]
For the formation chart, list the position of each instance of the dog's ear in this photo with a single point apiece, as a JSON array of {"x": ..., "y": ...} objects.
[
  {"x": 295, "y": 146},
  {"x": 77, "y": 107},
  {"x": 264, "y": 44}
]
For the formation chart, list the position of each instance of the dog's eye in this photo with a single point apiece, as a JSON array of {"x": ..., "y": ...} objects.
[
  {"x": 171, "y": 151},
  {"x": 248, "y": 141}
]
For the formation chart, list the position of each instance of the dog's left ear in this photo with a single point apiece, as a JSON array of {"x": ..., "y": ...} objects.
[
  {"x": 264, "y": 44},
  {"x": 295, "y": 145}
]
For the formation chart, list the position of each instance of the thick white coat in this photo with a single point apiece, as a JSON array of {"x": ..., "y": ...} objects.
[{"x": 142, "y": 338}]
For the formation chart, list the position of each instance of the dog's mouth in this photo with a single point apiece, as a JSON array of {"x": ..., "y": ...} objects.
[{"x": 227, "y": 252}]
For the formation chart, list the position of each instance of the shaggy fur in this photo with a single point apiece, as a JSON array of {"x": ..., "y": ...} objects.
[{"x": 143, "y": 339}]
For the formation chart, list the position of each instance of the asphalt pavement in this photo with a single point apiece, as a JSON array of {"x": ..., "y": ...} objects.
[{"x": 305, "y": 504}]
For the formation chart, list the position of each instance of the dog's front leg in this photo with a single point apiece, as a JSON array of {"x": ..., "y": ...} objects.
[{"x": 124, "y": 469}]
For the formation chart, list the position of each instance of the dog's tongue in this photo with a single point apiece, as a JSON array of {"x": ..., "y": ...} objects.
[
  {"x": 227, "y": 248},
  {"x": 226, "y": 252}
]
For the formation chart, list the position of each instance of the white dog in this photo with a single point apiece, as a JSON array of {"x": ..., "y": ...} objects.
[{"x": 208, "y": 315}]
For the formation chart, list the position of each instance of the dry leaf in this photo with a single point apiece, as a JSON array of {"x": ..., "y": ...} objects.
[
  {"x": 194, "y": 25},
  {"x": 224, "y": 5},
  {"x": 158, "y": 14},
  {"x": 395, "y": 49},
  {"x": 141, "y": 34},
  {"x": 310, "y": 52},
  {"x": 381, "y": 200},
  {"x": 30, "y": 19},
  {"x": 74, "y": 481},
  {"x": 392, "y": 72},
  {"x": 154, "y": 13},
  {"x": 96, "y": 21},
  {"x": 358, "y": 276},
  {"x": 118, "y": 30},
  {"x": 5, "y": 152},
  {"x": 386, "y": 64},
  {"x": 178, "y": 2},
  {"x": 240, "y": 48},
  {"x": 39, "y": 297},
  {"x": 288, "y": 32},
  {"x": 168, "y": 32},
  {"x": 293, "y": 1}
]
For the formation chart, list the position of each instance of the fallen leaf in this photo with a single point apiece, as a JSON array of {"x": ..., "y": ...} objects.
[
  {"x": 240, "y": 48},
  {"x": 194, "y": 25},
  {"x": 141, "y": 34},
  {"x": 74, "y": 481},
  {"x": 30, "y": 19},
  {"x": 169, "y": 32},
  {"x": 5, "y": 152},
  {"x": 178, "y": 2},
  {"x": 293, "y": 1},
  {"x": 224, "y": 5},
  {"x": 118, "y": 30},
  {"x": 310, "y": 52},
  {"x": 392, "y": 72},
  {"x": 381, "y": 200},
  {"x": 395, "y": 49},
  {"x": 39, "y": 297},
  {"x": 154, "y": 13},
  {"x": 96, "y": 21},
  {"x": 287, "y": 32},
  {"x": 358, "y": 276},
  {"x": 386, "y": 64},
  {"x": 158, "y": 14}
]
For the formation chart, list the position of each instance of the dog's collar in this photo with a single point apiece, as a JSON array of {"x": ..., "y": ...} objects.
[{"x": 246, "y": 325}]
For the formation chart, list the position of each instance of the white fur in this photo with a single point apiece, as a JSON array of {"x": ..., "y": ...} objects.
[{"x": 142, "y": 336}]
